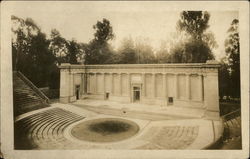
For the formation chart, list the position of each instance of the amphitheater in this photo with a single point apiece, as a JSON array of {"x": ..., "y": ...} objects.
[{"x": 90, "y": 116}]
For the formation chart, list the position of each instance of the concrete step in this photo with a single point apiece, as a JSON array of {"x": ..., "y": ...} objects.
[
  {"x": 47, "y": 132},
  {"x": 46, "y": 128}
]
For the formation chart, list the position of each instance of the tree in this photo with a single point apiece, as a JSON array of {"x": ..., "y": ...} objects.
[
  {"x": 177, "y": 44},
  {"x": 22, "y": 34},
  {"x": 104, "y": 31},
  {"x": 198, "y": 45},
  {"x": 162, "y": 55},
  {"x": 194, "y": 23},
  {"x": 144, "y": 51},
  {"x": 30, "y": 51},
  {"x": 40, "y": 60},
  {"x": 232, "y": 48},
  {"x": 224, "y": 79},
  {"x": 98, "y": 50},
  {"x": 58, "y": 46},
  {"x": 73, "y": 51},
  {"x": 126, "y": 52}
]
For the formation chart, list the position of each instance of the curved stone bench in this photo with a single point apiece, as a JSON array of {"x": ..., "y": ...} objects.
[
  {"x": 49, "y": 129},
  {"x": 45, "y": 129}
]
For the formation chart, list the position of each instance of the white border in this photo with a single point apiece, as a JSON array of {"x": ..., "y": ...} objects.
[{"x": 6, "y": 93}]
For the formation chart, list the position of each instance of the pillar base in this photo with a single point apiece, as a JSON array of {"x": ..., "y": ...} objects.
[
  {"x": 67, "y": 99},
  {"x": 212, "y": 115},
  {"x": 64, "y": 100}
]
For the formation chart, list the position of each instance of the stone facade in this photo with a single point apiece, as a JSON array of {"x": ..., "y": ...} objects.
[{"x": 181, "y": 85}]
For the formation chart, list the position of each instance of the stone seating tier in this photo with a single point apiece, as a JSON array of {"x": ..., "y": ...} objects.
[{"x": 46, "y": 130}]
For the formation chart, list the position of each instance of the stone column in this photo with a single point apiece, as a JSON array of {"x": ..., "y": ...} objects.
[
  {"x": 164, "y": 80},
  {"x": 188, "y": 86},
  {"x": 64, "y": 85},
  {"x": 96, "y": 84},
  {"x": 71, "y": 81},
  {"x": 176, "y": 86},
  {"x": 71, "y": 88},
  {"x": 211, "y": 95},
  {"x": 200, "y": 87},
  {"x": 144, "y": 84},
  {"x": 112, "y": 84},
  {"x": 153, "y": 89},
  {"x": 82, "y": 84},
  {"x": 87, "y": 83},
  {"x": 129, "y": 87},
  {"x": 104, "y": 84},
  {"x": 120, "y": 83}
]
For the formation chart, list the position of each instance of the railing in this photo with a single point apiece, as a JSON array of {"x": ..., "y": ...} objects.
[
  {"x": 231, "y": 115},
  {"x": 33, "y": 87}
]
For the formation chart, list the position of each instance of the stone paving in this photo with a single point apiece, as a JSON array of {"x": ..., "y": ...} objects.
[
  {"x": 170, "y": 111},
  {"x": 50, "y": 128},
  {"x": 170, "y": 137}
]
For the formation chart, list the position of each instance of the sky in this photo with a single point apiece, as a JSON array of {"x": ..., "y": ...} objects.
[{"x": 152, "y": 20}]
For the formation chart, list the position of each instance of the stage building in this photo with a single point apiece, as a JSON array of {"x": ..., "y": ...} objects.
[{"x": 193, "y": 85}]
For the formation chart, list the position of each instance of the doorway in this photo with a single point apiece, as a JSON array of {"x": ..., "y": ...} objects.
[
  {"x": 136, "y": 94},
  {"x": 77, "y": 92},
  {"x": 106, "y": 95}
]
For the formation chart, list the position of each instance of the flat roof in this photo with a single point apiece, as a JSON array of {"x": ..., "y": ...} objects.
[{"x": 169, "y": 65}]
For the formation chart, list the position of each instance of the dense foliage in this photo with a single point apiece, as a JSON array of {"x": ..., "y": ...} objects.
[
  {"x": 30, "y": 51},
  {"x": 231, "y": 63},
  {"x": 196, "y": 45},
  {"x": 37, "y": 56},
  {"x": 99, "y": 50}
]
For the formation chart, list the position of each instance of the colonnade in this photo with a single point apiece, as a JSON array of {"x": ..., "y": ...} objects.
[
  {"x": 188, "y": 96},
  {"x": 189, "y": 85}
]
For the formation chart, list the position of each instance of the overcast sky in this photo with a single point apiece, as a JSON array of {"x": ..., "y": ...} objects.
[{"x": 152, "y": 20}]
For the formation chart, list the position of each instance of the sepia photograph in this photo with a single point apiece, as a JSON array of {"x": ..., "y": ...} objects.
[{"x": 141, "y": 76}]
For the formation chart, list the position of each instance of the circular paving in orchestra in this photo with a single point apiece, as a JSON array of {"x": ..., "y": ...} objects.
[{"x": 105, "y": 130}]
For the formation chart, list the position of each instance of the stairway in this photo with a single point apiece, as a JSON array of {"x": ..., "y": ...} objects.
[{"x": 26, "y": 96}]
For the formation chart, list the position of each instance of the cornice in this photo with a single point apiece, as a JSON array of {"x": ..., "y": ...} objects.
[{"x": 141, "y": 66}]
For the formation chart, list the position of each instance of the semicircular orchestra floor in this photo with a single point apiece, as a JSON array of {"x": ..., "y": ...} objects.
[
  {"x": 59, "y": 128},
  {"x": 105, "y": 130}
]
